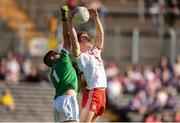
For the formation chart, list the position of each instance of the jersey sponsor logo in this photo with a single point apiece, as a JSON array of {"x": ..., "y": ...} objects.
[{"x": 94, "y": 107}]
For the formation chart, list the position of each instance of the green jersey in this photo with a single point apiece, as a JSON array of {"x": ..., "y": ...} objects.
[{"x": 63, "y": 75}]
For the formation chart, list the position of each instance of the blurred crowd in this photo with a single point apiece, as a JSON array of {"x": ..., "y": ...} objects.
[
  {"x": 14, "y": 69},
  {"x": 167, "y": 9},
  {"x": 152, "y": 90}
]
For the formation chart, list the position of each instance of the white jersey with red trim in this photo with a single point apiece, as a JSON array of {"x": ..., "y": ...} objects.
[{"x": 91, "y": 64}]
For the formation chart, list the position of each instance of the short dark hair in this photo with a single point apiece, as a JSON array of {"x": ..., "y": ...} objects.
[
  {"x": 45, "y": 59},
  {"x": 81, "y": 33}
]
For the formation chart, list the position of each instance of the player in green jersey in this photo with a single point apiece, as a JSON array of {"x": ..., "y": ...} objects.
[{"x": 64, "y": 78}]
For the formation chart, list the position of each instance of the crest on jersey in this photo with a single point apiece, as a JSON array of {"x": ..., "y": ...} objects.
[{"x": 94, "y": 107}]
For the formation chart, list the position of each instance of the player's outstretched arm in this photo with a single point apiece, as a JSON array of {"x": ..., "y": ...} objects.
[
  {"x": 99, "y": 41},
  {"x": 64, "y": 17},
  {"x": 73, "y": 35}
]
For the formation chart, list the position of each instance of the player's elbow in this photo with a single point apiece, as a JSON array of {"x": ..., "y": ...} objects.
[{"x": 101, "y": 34}]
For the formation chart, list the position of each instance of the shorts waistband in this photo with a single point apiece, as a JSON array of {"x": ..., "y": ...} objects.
[
  {"x": 100, "y": 88},
  {"x": 70, "y": 92}
]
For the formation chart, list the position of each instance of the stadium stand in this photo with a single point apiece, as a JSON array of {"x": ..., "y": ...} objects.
[
  {"x": 33, "y": 101},
  {"x": 33, "y": 104},
  {"x": 123, "y": 15}
]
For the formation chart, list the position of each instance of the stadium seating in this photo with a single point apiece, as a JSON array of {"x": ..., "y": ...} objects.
[{"x": 34, "y": 104}]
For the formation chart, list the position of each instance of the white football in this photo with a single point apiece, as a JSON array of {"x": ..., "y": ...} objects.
[{"x": 81, "y": 16}]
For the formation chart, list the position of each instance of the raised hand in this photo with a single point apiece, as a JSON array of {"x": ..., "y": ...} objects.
[
  {"x": 93, "y": 13},
  {"x": 71, "y": 14}
]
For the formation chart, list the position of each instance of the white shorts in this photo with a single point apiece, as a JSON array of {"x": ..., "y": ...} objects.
[{"x": 66, "y": 109}]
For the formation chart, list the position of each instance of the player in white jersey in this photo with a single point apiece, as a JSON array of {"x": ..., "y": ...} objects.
[{"x": 90, "y": 63}]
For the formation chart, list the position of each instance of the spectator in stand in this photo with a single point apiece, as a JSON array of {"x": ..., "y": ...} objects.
[
  {"x": 8, "y": 100},
  {"x": 148, "y": 74},
  {"x": 175, "y": 83},
  {"x": 166, "y": 76},
  {"x": 33, "y": 76},
  {"x": 156, "y": 8},
  {"x": 2, "y": 69},
  {"x": 166, "y": 70},
  {"x": 138, "y": 104},
  {"x": 12, "y": 68},
  {"x": 164, "y": 64},
  {"x": 1, "y": 106},
  {"x": 27, "y": 64},
  {"x": 138, "y": 78},
  {"x": 176, "y": 67},
  {"x": 171, "y": 12},
  {"x": 129, "y": 84},
  {"x": 111, "y": 70},
  {"x": 152, "y": 83},
  {"x": 157, "y": 72},
  {"x": 161, "y": 98},
  {"x": 114, "y": 90},
  {"x": 172, "y": 99}
]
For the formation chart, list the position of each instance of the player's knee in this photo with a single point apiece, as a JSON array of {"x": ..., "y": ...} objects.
[{"x": 86, "y": 115}]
